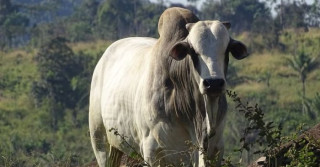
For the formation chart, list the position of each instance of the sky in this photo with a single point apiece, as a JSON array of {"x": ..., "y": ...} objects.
[
  {"x": 185, "y": 1},
  {"x": 201, "y": 1},
  {"x": 180, "y": 1}
]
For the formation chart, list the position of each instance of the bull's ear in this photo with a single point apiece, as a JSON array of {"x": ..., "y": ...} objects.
[
  {"x": 237, "y": 49},
  {"x": 180, "y": 50}
]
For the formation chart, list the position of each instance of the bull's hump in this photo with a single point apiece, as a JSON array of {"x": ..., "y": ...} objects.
[{"x": 173, "y": 21}]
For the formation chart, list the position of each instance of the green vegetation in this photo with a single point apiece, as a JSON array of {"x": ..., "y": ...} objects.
[
  {"x": 268, "y": 79},
  {"x": 37, "y": 126},
  {"x": 48, "y": 51}
]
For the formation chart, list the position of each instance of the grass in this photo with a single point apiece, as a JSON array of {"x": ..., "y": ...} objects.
[
  {"x": 283, "y": 79},
  {"x": 90, "y": 47}
]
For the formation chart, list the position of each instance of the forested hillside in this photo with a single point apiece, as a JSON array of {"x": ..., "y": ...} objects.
[{"x": 48, "y": 50}]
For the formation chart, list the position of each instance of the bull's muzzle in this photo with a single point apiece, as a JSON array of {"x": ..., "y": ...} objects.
[{"x": 213, "y": 86}]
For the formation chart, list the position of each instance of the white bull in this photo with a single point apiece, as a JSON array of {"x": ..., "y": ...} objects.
[{"x": 160, "y": 95}]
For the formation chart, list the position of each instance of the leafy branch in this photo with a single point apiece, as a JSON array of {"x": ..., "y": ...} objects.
[
  {"x": 266, "y": 131},
  {"x": 123, "y": 139}
]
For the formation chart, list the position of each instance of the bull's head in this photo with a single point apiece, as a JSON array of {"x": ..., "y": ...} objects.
[{"x": 209, "y": 43}]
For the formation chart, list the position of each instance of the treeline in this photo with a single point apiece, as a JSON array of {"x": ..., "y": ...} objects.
[
  {"x": 33, "y": 23},
  {"x": 36, "y": 23}
]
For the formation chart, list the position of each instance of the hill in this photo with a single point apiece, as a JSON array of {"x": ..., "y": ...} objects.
[{"x": 29, "y": 139}]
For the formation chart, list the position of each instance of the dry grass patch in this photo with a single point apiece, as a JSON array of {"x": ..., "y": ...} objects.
[{"x": 99, "y": 45}]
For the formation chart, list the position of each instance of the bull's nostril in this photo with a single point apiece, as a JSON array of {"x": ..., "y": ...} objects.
[
  {"x": 213, "y": 83},
  {"x": 206, "y": 83},
  {"x": 219, "y": 82}
]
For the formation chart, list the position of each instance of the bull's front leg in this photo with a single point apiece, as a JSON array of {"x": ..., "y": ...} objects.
[
  {"x": 202, "y": 152},
  {"x": 215, "y": 151},
  {"x": 202, "y": 159},
  {"x": 211, "y": 155}
]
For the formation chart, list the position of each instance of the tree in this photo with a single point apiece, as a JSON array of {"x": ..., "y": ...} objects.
[
  {"x": 193, "y": 2},
  {"x": 302, "y": 64},
  {"x": 291, "y": 15},
  {"x": 147, "y": 17},
  {"x": 15, "y": 26},
  {"x": 6, "y": 8},
  {"x": 83, "y": 21},
  {"x": 245, "y": 15},
  {"x": 313, "y": 14},
  {"x": 89, "y": 10},
  {"x": 116, "y": 18},
  {"x": 57, "y": 66},
  {"x": 12, "y": 24},
  {"x": 121, "y": 18},
  {"x": 297, "y": 14},
  {"x": 316, "y": 104}
]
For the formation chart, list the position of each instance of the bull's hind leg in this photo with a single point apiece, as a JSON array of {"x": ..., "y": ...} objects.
[
  {"x": 106, "y": 155},
  {"x": 98, "y": 139},
  {"x": 114, "y": 158}
]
